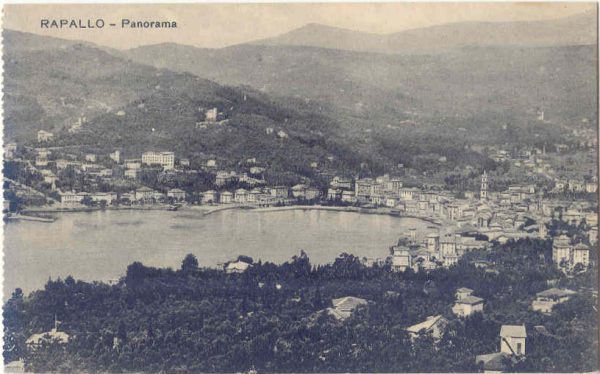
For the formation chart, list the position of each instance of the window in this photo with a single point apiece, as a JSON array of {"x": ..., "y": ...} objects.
[{"x": 519, "y": 348}]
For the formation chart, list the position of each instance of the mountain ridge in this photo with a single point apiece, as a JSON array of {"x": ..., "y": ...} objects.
[{"x": 577, "y": 29}]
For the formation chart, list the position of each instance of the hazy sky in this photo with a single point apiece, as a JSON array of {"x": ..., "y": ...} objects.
[{"x": 219, "y": 25}]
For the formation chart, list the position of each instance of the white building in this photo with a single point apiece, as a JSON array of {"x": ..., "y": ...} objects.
[
  {"x": 546, "y": 300},
  {"x": 512, "y": 339},
  {"x": 115, "y": 156},
  {"x": 44, "y": 136},
  {"x": 344, "y": 306},
  {"x": 164, "y": 159},
  {"x": 176, "y": 194}
]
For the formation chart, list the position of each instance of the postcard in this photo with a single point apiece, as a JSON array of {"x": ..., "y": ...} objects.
[{"x": 300, "y": 187}]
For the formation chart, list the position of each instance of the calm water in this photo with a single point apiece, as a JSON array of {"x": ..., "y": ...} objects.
[{"x": 100, "y": 245}]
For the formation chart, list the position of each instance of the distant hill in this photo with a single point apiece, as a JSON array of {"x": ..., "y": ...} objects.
[
  {"x": 136, "y": 107},
  {"x": 574, "y": 30},
  {"x": 510, "y": 82}
]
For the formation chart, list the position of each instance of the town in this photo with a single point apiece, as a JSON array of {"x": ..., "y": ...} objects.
[{"x": 46, "y": 178}]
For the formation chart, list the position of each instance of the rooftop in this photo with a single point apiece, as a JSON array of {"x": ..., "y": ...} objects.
[
  {"x": 556, "y": 292},
  {"x": 425, "y": 325},
  {"x": 514, "y": 331},
  {"x": 472, "y": 300}
]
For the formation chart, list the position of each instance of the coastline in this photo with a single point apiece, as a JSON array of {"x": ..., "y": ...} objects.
[
  {"x": 352, "y": 209},
  {"x": 210, "y": 209}
]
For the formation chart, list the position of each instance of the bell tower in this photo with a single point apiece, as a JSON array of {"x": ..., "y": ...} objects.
[{"x": 484, "y": 187}]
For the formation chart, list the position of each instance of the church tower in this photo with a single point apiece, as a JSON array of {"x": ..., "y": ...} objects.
[{"x": 484, "y": 187}]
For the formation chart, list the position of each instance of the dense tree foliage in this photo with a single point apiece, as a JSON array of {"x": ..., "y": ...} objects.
[{"x": 271, "y": 317}]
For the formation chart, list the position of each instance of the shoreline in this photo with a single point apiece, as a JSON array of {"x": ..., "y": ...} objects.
[{"x": 210, "y": 209}]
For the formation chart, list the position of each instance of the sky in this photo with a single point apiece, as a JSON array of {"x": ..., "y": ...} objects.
[{"x": 221, "y": 25}]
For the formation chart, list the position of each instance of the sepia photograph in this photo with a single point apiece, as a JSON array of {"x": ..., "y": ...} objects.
[{"x": 300, "y": 187}]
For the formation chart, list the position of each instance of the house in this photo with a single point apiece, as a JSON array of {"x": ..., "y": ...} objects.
[
  {"x": 44, "y": 136},
  {"x": 391, "y": 201},
  {"x": 52, "y": 336},
  {"x": 211, "y": 163},
  {"x": 176, "y": 194},
  {"x": 546, "y": 300},
  {"x": 566, "y": 256},
  {"x": 344, "y": 306},
  {"x": 115, "y": 156},
  {"x": 279, "y": 192},
  {"x": 226, "y": 198},
  {"x": 312, "y": 193},
  {"x": 348, "y": 196},
  {"x": 334, "y": 194},
  {"x": 342, "y": 183},
  {"x": 131, "y": 173},
  {"x": 495, "y": 363},
  {"x": 236, "y": 267},
  {"x": 299, "y": 191},
  {"x": 210, "y": 115},
  {"x": 512, "y": 347},
  {"x": 165, "y": 159},
  {"x": 210, "y": 196},
  {"x": 401, "y": 258},
  {"x": 68, "y": 198},
  {"x": 512, "y": 339},
  {"x": 467, "y": 305},
  {"x": 107, "y": 197},
  {"x": 144, "y": 193},
  {"x": 132, "y": 163},
  {"x": 241, "y": 196},
  {"x": 9, "y": 151},
  {"x": 254, "y": 195},
  {"x": 90, "y": 157},
  {"x": 463, "y": 292},
  {"x": 17, "y": 366},
  {"x": 581, "y": 255},
  {"x": 435, "y": 325}
]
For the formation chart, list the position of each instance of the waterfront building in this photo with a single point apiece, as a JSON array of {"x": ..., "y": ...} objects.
[
  {"x": 176, "y": 194},
  {"x": 241, "y": 196},
  {"x": 209, "y": 197},
  {"x": 144, "y": 193},
  {"x": 226, "y": 197}
]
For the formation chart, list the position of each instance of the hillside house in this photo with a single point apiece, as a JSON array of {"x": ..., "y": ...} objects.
[
  {"x": 53, "y": 336},
  {"x": 466, "y": 304},
  {"x": 344, "y": 306},
  {"x": 237, "y": 267},
  {"x": 546, "y": 300},
  {"x": 435, "y": 325},
  {"x": 44, "y": 136},
  {"x": 512, "y": 339}
]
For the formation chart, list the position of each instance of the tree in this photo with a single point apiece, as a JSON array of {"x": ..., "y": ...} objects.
[{"x": 189, "y": 264}]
